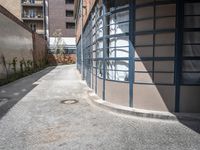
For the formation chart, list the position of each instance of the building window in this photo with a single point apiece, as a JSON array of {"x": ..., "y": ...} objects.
[
  {"x": 70, "y": 25},
  {"x": 69, "y": 13},
  {"x": 33, "y": 27},
  {"x": 70, "y": 51},
  {"x": 69, "y": 1}
]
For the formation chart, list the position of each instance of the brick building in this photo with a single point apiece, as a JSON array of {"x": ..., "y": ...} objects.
[
  {"x": 61, "y": 25},
  {"x": 141, "y": 54}
]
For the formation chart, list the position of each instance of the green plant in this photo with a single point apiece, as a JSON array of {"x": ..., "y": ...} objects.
[
  {"x": 29, "y": 65},
  {"x": 14, "y": 64},
  {"x": 21, "y": 65},
  {"x": 4, "y": 65}
]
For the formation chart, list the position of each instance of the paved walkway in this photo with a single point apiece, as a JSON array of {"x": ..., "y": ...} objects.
[{"x": 38, "y": 121}]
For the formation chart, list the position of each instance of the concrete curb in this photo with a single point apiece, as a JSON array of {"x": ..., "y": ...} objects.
[{"x": 140, "y": 112}]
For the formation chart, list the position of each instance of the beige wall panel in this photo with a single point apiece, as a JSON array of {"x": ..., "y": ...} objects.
[
  {"x": 93, "y": 82},
  {"x": 165, "y": 78},
  {"x": 143, "y": 65},
  {"x": 144, "y": 39},
  {"x": 164, "y": 66},
  {"x": 164, "y": 51},
  {"x": 165, "y": 23},
  {"x": 190, "y": 99},
  {"x": 143, "y": 77},
  {"x": 151, "y": 97},
  {"x": 165, "y": 38},
  {"x": 144, "y": 52},
  {"x": 144, "y": 25},
  {"x": 100, "y": 87},
  {"x": 144, "y": 12},
  {"x": 117, "y": 93},
  {"x": 163, "y": 10}
]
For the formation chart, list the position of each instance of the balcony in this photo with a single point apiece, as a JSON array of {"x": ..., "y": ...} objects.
[
  {"x": 38, "y": 17},
  {"x": 40, "y": 31},
  {"x": 29, "y": 3}
]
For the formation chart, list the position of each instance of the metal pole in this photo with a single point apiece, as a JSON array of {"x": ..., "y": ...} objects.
[{"x": 82, "y": 57}]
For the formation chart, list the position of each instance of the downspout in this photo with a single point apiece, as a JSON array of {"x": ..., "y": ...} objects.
[{"x": 82, "y": 64}]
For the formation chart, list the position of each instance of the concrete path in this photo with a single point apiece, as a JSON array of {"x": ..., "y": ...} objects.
[{"x": 37, "y": 120}]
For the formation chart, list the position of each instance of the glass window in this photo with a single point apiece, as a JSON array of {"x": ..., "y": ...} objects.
[
  {"x": 69, "y": 1},
  {"x": 69, "y": 13},
  {"x": 70, "y": 25},
  {"x": 117, "y": 70},
  {"x": 119, "y": 41}
]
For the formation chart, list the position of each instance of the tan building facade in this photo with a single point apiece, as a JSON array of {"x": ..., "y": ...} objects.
[
  {"x": 14, "y": 6},
  {"x": 31, "y": 12}
]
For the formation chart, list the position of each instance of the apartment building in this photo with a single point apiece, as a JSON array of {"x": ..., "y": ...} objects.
[
  {"x": 33, "y": 15},
  {"x": 61, "y": 25},
  {"x": 31, "y": 12},
  {"x": 141, "y": 53}
]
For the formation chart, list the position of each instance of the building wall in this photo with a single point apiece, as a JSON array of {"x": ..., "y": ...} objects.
[
  {"x": 58, "y": 19},
  {"x": 59, "y": 35},
  {"x": 155, "y": 56},
  {"x": 17, "y": 42},
  {"x": 33, "y": 15},
  {"x": 14, "y": 9},
  {"x": 39, "y": 50},
  {"x": 87, "y": 6}
]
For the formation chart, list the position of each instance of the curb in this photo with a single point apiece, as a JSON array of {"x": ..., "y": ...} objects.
[{"x": 141, "y": 112}]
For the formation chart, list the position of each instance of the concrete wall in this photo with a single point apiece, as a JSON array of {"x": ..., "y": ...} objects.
[
  {"x": 17, "y": 42},
  {"x": 13, "y": 6}
]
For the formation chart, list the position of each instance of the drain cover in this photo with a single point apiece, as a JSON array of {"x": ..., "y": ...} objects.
[{"x": 69, "y": 101}]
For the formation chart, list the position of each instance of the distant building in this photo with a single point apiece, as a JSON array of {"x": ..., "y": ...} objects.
[
  {"x": 61, "y": 25},
  {"x": 141, "y": 53},
  {"x": 31, "y": 12}
]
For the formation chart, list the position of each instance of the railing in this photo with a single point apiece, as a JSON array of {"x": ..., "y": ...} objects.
[
  {"x": 32, "y": 2},
  {"x": 34, "y": 15}
]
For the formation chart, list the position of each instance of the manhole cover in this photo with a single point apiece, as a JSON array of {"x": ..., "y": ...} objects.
[{"x": 69, "y": 101}]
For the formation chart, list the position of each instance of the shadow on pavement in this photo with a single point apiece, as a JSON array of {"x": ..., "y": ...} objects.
[
  {"x": 13, "y": 92},
  {"x": 192, "y": 124}
]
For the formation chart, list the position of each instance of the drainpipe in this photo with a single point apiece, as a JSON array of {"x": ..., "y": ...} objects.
[{"x": 82, "y": 67}]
